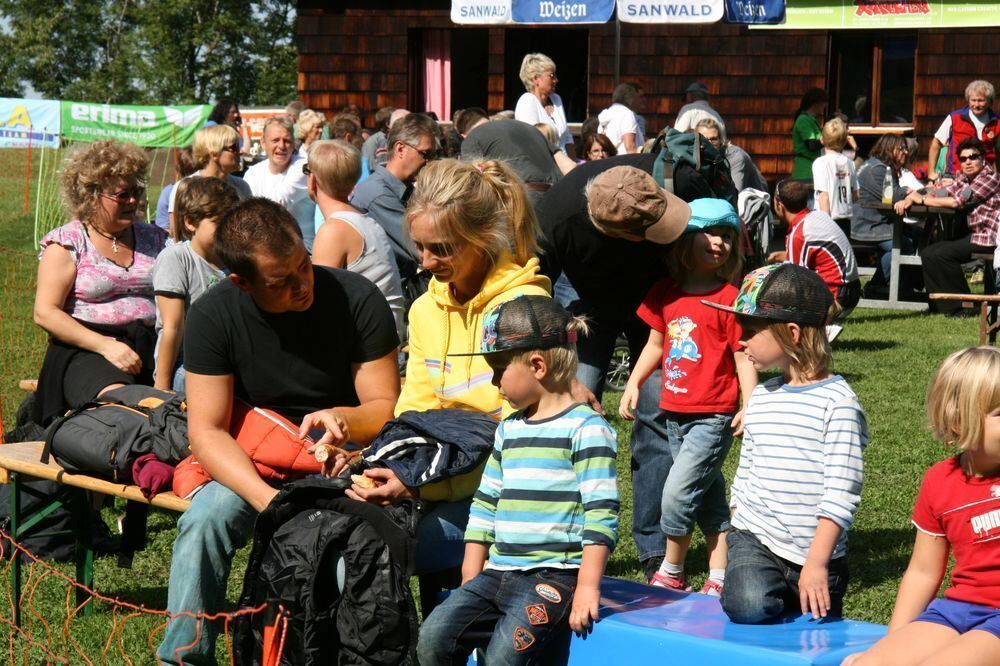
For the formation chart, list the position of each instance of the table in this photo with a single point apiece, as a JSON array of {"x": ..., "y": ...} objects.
[{"x": 899, "y": 259}]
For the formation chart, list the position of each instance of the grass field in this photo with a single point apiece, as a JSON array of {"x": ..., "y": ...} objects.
[{"x": 887, "y": 356}]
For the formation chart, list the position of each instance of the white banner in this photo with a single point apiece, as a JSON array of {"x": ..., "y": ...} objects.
[
  {"x": 489, "y": 12},
  {"x": 671, "y": 11}
]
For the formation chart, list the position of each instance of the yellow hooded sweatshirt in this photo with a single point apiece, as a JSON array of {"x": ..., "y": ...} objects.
[{"x": 441, "y": 326}]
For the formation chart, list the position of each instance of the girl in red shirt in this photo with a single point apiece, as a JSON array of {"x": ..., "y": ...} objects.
[
  {"x": 696, "y": 347},
  {"x": 957, "y": 509}
]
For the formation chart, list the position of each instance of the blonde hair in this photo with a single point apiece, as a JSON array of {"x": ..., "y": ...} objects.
[
  {"x": 483, "y": 204},
  {"x": 336, "y": 165},
  {"x": 535, "y": 64},
  {"x": 549, "y": 132},
  {"x": 965, "y": 389},
  {"x": 681, "y": 259},
  {"x": 90, "y": 167},
  {"x": 562, "y": 361},
  {"x": 811, "y": 355},
  {"x": 308, "y": 120},
  {"x": 211, "y": 141},
  {"x": 835, "y": 134}
]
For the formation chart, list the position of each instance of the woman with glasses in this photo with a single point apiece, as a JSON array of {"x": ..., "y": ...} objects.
[
  {"x": 95, "y": 291},
  {"x": 541, "y": 104},
  {"x": 597, "y": 147}
]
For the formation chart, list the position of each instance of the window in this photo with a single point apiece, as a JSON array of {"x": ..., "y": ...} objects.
[{"x": 872, "y": 76}]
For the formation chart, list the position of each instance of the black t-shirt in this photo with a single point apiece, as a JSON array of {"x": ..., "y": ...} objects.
[
  {"x": 520, "y": 145},
  {"x": 293, "y": 362}
]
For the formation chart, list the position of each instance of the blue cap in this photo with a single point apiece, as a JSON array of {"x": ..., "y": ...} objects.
[{"x": 707, "y": 213}]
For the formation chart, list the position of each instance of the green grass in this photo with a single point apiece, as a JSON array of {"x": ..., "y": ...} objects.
[{"x": 888, "y": 357}]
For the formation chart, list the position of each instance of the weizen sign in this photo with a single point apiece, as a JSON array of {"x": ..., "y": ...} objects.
[
  {"x": 755, "y": 11},
  {"x": 531, "y": 11}
]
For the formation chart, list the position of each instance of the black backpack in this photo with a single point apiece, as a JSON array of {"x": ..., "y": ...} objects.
[
  {"x": 338, "y": 570},
  {"x": 690, "y": 167}
]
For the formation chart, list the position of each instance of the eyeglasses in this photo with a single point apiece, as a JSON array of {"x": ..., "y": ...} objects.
[
  {"x": 235, "y": 148},
  {"x": 125, "y": 196},
  {"x": 551, "y": 75},
  {"x": 968, "y": 158},
  {"x": 428, "y": 155}
]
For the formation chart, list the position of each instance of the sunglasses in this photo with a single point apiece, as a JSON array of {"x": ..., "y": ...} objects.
[
  {"x": 125, "y": 196},
  {"x": 235, "y": 148},
  {"x": 428, "y": 155},
  {"x": 306, "y": 170},
  {"x": 970, "y": 158}
]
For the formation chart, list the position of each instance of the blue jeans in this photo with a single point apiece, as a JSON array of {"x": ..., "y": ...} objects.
[
  {"x": 762, "y": 587},
  {"x": 519, "y": 617},
  {"x": 651, "y": 462},
  {"x": 217, "y": 524},
  {"x": 695, "y": 489},
  {"x": 180, "y": 379},
  {"x": 594, "y": 349},
  {"x": 441, "y": 537}
]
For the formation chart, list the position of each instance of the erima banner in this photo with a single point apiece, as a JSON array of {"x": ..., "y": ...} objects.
[
  {"x": 883, "y": 14},
  {"x": 25, "y": 122},
  {"x": 755, "y": 11},
  {"x": 148, "y": 126},
  {"x": 670, "y": 11},
  {"x": 493, "y": 12}
]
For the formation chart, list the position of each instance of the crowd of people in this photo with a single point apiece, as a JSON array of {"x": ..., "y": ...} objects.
[{"x": 499, "y": 270}]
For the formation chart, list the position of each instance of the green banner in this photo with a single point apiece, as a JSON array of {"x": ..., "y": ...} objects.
[
  {"x": 147, "y": 126},
  {"x": 882, "y": 14}
]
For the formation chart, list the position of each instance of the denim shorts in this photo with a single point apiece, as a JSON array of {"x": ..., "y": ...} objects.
[{"x": 962, "y": 616}]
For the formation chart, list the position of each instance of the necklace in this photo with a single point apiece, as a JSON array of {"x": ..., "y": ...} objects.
[{"x": 111, "y": 237}]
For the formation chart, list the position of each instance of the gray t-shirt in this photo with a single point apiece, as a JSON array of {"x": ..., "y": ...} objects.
[{"x": 180, "y": 272}]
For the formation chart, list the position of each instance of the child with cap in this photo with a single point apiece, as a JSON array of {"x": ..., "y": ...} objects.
[
  {"x": 545, "y": 517},
  {"x": 798, "y": 484},
  {"x": 703, "y": 373}
]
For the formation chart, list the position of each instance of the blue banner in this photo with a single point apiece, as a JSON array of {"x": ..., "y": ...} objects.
[
  {"x": 562, "y": 11},
  {"x": 29, "y": 121},
  {"x": 755, "y": 11}
]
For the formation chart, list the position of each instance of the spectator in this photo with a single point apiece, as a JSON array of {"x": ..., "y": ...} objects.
[
  {"x": 742, "y": 169},
  {"x": 597, "y": 147},
  {"x": 309, "y": 129},
  {"x": 280, "y": 177},
  {"x": 94, "y": 295},
  {"x": 563, "y": 161},
  {"x": 349, "y": 239},
  {"x": 976, "y": 120},
  {"x": 412, "y": 143},
  {"x": 317, "y": 345},
  {"x": 374, "y": 152},
  {"x": 835, "y": 182},
  {"x": 346, "y": 128},
  {"x": 541, "y": 103},
  {"x": 976, "y": 192},
  {"x": 469, "y": 119},
  {"x": 293, "y": 109},
  {"x": 619, "y": 121},
  {"x": 806, "y": 132},
  {"x": 216, "y": 152},
  {"x": 227, "y": 112},
  {"x": 184, "y": 165},
  {"x": 697, "y": 108}
]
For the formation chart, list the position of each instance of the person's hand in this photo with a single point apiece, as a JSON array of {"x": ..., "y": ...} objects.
[
  {"x": 901, "y": 206},
  {"x": 738, "y": 423},
  {"x": 814, "y": 590},
  {"x": 851, "y": 659},
  {"x": 586, "y": 609},
  {"x": 337, "y": 434},
  {"x": 392, "y": 489},
  {"x": 121, "y": 356},
  {"x": 630, "y": 396},
  {"x": 583, "y": 394},
  {"x": 933, "y": 176},
  {"x": 777, "y": 257}
]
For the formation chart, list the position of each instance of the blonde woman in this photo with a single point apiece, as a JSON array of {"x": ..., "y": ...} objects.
[
  {"x": 308, "y": 130},
  {"x": 541, "y": 104},
  {"x": 216, "y": 150}
]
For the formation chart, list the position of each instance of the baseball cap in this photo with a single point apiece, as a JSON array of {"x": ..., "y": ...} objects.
[
  {"x": 628, "y": 199},
  {"x": 697, "y": 86},
  {"x": 707, "y": 213},
  {"x": 782, "y": 292},
  {"x": 523, "y": 323}
]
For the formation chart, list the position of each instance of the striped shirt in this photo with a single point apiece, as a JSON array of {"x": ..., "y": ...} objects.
[
  {"x": 801, "y": 460},
  {"x": 548, "y": 490}
]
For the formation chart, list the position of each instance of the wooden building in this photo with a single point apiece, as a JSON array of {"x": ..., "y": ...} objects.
[{"x": 373, "y": 53}]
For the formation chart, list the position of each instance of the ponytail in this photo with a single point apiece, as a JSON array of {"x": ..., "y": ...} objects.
[{"x": 519, "y": 211}]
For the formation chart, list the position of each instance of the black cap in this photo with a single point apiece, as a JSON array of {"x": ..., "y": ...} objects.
[
  {"x": 783, "y": 292},
  {"x": 523, "y": 323}
]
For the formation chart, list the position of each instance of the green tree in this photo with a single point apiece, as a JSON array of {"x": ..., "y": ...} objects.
[{"x": 151, "y": 51}]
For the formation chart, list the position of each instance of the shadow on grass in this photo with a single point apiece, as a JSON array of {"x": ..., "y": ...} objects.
[
  {"x": 878, "y": 555},
  {"x": 863, "y": 345},
  {"x": 873, "y": 315}
]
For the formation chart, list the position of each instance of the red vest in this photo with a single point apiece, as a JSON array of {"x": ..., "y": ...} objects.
[{"x": 962, "y": 129}]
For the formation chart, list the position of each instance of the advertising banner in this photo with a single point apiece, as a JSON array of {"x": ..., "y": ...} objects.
[
  {"x": 489, "y": 12},
  {"x": 670, "y": 11},
  {"x": 755, "y": 11},
  {"x": 883, "y": 14},
  {"x": 255, "y": 117},
  {"x": 562, "y": 11},
  {"x": 147, "y": 126},
  {"x": 24, "y": 121}
]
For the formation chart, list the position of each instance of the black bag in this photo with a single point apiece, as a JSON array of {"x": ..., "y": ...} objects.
[
  {"x": 340, "y": 570},
  {"x": 692, "y": 168},
  {"x": 105, "y": 436}
]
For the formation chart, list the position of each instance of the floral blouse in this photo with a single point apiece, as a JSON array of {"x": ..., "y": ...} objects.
[{"x": 104, "y": 292}]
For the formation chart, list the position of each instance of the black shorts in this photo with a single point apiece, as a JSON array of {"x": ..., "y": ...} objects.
[{"x": 87, "y": 374}]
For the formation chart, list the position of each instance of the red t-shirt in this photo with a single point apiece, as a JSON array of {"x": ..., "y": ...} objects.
[
  {"x": 966, "y": 511},
  {"x": 699, "y": 373}
]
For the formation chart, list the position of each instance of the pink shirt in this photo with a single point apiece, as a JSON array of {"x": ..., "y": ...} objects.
[{"x": 104, "y": 292}]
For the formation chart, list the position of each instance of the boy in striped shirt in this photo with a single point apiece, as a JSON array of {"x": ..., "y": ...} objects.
[
  {"x": 798, "y": 484},
  {"x": 545, "y": 517}
]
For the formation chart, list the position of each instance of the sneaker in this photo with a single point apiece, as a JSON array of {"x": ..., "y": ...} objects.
[
  {"x": 711, "y": 588},
  {"x": 670, "y": 582}
]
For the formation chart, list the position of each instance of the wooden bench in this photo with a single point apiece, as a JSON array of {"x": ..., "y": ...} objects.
[
  {"x": 24, "y": 459},
  {"x": 988, "y": 306}
]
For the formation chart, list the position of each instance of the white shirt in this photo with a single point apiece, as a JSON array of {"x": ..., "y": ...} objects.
[
  {"x": 834, "y": 174},
  {"x": 238, "y": 184},
  {"x": 288, "y": 188},
  {"x": 530, "y": 110},
  {"x": 615, "y": 122},
  {"x": 944, "y": 132},
  {"x": 693, "y": 113}
]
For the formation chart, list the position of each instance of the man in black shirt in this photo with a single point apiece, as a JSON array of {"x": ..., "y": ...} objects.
[{"x": 314, "y": 344}]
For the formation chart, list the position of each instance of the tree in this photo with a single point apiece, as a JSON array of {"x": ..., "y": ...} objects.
[{"x": 151, "y": 51}]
